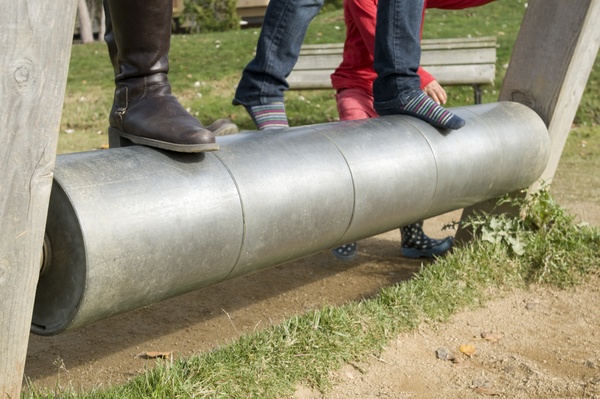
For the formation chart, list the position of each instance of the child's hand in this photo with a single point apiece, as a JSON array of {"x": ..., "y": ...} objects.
[{"x": 436, "y": 92}]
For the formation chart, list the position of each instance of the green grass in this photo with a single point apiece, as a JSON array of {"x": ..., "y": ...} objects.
[
  {"x": 304, "y": 349},
  {"x": 576, "y": 179}
]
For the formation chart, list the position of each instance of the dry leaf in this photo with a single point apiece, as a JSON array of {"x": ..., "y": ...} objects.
[
  {"x": 468, "y": 350},
  {"x": 492, "y": 337},
  {"x": 154, "y": 355},
  {"x": 487, "y": 391}
]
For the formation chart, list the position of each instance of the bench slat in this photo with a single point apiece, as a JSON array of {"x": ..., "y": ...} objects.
[
  {"x": 325, "y": 61},
  {"x": 426, "y": 44},
  {"x": 484, "y": 41},
  {"x": 428, "y": 58},
  {"x": 458, "y": 57},
  {"x": 455, "y": 75},
  {"x": 310, "y": 80}
]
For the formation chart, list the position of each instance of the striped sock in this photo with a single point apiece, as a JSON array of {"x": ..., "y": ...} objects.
[
  {"x": 420, "y": 105},
  {"x": 268, "y": 116}
]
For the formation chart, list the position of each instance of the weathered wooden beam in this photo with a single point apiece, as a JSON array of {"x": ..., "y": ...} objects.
[
  {"x": 35, "y": 46},
  {"x": 549, "y": 68},
  {"x": 551, "y": 63}
]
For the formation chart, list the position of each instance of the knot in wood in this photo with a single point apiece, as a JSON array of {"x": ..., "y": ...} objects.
[{"x": 22, "y": 73}]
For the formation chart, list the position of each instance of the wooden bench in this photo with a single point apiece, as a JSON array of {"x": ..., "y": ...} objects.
[
  {"x": 453, "y": 62},
  {"x": 251, "y": 12}
]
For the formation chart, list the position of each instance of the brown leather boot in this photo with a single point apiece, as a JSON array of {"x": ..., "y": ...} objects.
[{"x": 144, "y": 110}]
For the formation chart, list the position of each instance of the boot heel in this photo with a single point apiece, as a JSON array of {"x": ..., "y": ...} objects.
[{"x": 115, "y": 140}]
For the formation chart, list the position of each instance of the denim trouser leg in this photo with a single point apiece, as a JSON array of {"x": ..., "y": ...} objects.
[
  {"x": 397, "y": 51},
  {"x": 284, "y": 27}
]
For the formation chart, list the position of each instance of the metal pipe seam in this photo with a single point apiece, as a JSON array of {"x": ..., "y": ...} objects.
[{"x": 132, "y": 226}]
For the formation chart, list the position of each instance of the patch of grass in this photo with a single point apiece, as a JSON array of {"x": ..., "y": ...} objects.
[
  {"x": 547, "y": 238},
  {"x": 89, "y": 67},
  {"x": 574, "y": 179},
  {"x": 588, "y": 113}
]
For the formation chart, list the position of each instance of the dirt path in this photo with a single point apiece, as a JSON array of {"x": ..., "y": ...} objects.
[
  {"x": 547, "y": 347},
  {"x": 550, "y": 340}
]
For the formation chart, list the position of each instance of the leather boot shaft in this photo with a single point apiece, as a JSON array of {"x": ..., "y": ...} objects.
[
  {"x": 141, "y": 32},
  {"x": 109, "y": 38}
]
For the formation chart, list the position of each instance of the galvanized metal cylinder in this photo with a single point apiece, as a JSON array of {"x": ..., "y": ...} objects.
[{"x": 132, "y": 226}]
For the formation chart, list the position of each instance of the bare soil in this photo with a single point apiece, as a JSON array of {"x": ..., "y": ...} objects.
[{"x": 548, "y": 341}]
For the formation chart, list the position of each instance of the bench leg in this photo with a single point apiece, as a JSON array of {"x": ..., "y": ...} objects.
[{"x": 477, "y": 93}]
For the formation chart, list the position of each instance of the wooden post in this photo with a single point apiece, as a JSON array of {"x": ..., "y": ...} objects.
[
  {"x": 549, "y": 68},
  {"x": 35, "y": 47}
]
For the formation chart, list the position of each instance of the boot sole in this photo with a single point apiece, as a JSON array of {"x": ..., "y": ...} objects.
[
  {"x": 438, "y": 250},
  {"x": 117, "y": 138},
  {"x": 352, "y": 252}
]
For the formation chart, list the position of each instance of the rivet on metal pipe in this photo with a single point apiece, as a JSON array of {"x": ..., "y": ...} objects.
[{"x": 133, "y": 226}]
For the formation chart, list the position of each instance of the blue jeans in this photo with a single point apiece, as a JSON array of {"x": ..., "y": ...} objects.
[
  {"x": 397, "y": 51},
  {"x": 284, "y": 27}
]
